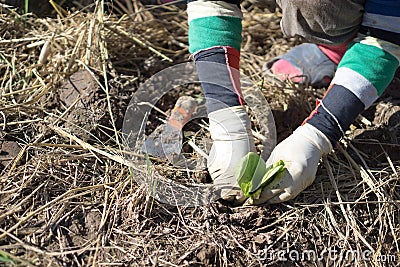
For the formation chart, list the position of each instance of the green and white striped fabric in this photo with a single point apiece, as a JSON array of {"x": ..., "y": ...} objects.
[{"x": 212, "y": 24}]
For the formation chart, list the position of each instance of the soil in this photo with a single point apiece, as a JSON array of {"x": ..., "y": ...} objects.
[
  {"x": 217, "y": 223},
  {"x": 380, "y": 140},
  {"x": 80, "y": 94},
  {"x": 43, "y": 8},
  {"x": 8, "y": 151},
  {"x": 87, "y": 105}
]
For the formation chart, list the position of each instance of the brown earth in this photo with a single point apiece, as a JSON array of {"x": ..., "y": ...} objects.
[
  {"x": 8, "y": 151},
  {"x": 381, "y": 139}
]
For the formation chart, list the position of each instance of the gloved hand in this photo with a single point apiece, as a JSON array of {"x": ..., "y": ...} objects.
[
  {"x": 231, "y": 132},
  {"x": 301, "y": 153}
]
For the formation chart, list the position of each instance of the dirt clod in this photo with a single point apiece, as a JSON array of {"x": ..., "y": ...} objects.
[
  {"x": 8, "y": 151},
  {"x": 79, "y": 93},
  {"x": 206, "y": 255}
]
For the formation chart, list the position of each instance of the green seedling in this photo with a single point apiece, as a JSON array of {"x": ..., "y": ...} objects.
[
  {"x": 4, "y": 258},
  {"x": 252, "y": 174},
  {"x": 26, "y": 6},
  {"x": 250, "y": 168},
  {"x": 272, "y": 174}
]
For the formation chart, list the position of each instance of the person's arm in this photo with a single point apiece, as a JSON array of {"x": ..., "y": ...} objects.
[
  {"x": 215, "y": 29},
  {"x": 215, "y": 36},
  {"x": 363, "y": 74}
]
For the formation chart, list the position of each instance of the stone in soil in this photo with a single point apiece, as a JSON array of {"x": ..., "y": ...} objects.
[
  {"x": 82, "y": 91},
  {"x": 8, "y": 151}
]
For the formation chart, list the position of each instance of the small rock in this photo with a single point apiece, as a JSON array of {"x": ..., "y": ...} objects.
[{"x": 8, "y": 151}]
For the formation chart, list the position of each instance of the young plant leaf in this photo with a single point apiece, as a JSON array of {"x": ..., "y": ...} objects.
[
  {"x": 270, "y": 174},
  {"x": 5, "y": 258},
  {"x": 251, "y": 167}
]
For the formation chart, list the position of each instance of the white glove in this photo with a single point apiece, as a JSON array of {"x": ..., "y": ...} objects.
[
  {"x": 301, "y": 153},
  {"x": 230, "y": 130}
]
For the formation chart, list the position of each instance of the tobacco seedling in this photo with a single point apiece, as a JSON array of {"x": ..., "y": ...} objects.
[{"x": 252, "y": 174}]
